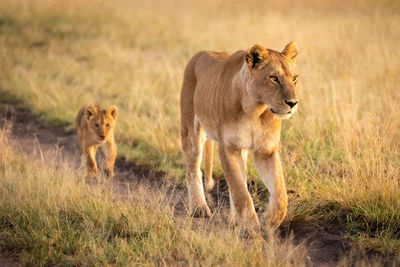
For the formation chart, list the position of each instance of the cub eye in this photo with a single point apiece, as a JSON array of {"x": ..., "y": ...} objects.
[
  {"x": 274, "y": 79},
  {"x": 295, "y": 78},
  {"x": 107, "y": 125},
  {"x": 96, "y": 125}
]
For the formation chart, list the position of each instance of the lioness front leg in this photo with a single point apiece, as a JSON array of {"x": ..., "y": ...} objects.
[
  {"x": 90, "y": 153},
  {"x": 244, "y": 153},
  {"x": 234, "y": 170},
  {"x": 110, "y": 153},
  {"x": 269, "y": 169}
]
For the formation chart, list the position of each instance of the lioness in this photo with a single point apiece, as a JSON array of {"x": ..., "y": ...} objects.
[
  {"x": 238, "y": 100},
  {"x": 95, "y": 127}
]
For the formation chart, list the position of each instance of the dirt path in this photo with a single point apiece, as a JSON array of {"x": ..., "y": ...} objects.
[
  {"x": 324, "y": 243},
  {"x": 7, "y": 262}
]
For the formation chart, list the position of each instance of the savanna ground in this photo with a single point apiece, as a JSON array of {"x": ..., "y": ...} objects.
[{"x": 341, "y": 151}]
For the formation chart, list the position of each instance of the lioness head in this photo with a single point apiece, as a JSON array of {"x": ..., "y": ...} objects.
[
  {"x": 273, "y": 79},
  {"x": 100, "y": 121}
]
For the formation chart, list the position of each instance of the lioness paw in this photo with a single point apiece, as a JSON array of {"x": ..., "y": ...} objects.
[
  {"x": 201, "y": 212},
  {"x": 209, "y": 185}
]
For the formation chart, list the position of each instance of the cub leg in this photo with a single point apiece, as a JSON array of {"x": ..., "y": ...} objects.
[
  {"x": 192, "y": 144},
  {"x": 234, "y": 170},
  {"x": 269, "y": 169},
  {"x": 91, "y": 164},
  {"x": 244, "y": 154},
  {"x": 209, "y": 157},
  {"x": 110, "y": 153}
]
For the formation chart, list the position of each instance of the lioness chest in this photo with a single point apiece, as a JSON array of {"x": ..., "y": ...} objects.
[{"x": 250, "y": 134}]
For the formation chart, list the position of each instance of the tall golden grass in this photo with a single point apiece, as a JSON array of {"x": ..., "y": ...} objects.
[
  {"x": 48, "y": 216},
  {"x": 340, "y": 151}
]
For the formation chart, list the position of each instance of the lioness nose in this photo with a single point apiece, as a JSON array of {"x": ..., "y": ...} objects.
[{"x": 291, "y": 103}]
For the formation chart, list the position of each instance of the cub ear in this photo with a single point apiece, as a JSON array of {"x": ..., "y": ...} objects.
[
  {"x": 291, "y": 51},
  {"x": 255, "y": 56},
  {"x": 90, "y": 111},
  {"x": 113, "y": 111}
]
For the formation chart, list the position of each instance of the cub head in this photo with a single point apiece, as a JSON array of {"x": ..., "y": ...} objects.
[
  {"x": 101, "y": 122},
  {"x": 272, "y": 78}
]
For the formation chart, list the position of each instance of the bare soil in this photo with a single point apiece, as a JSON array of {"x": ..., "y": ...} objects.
[
  {"x": 323, "y": 242},
  {"x": 7, "y": 262}
]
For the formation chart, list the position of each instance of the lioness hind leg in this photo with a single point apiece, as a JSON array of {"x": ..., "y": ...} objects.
[
  {"x": 192, "y": 143},
  {"x": 269, "y": 169},
  {"x": 209, "y": 157},
  {"x": 110, "y": 153}
]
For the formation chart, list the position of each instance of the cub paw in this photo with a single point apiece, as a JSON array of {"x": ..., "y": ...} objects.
[
  {"x": 91, "y": 175},
  {"x": 109, "y": 173},
  {"x": 249, "y": 233}
]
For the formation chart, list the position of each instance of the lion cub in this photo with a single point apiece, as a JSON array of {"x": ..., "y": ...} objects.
[{"x": 95, "y": 127}]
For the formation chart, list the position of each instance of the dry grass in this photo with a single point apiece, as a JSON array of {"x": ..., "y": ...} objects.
[
  {"x": 48, "y": 216},
  {"x": 340, "y": 151}
]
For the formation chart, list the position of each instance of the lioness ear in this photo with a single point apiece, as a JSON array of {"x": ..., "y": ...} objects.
[
  {"x": 113, "y": 111},
  {"x": 291, "y": 51},
  {"x": 90, "y": 112},
  {"x": 255, "y": 56}
]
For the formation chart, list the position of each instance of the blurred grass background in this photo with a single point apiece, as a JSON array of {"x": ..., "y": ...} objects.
[{"x": 340, "y": 152}]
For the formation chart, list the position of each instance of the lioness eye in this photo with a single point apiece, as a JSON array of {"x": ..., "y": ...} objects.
[
  {"x": 107, "y": 125},
  {"x": 295, "y": 78},
  {"x": 274, "y": 79},
  {"x": 97, "y": 125}
]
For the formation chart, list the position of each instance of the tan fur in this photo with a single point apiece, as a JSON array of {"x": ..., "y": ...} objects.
[
  {"x": 238, "y": 100},
  {"x": 95, "y": 127}
]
